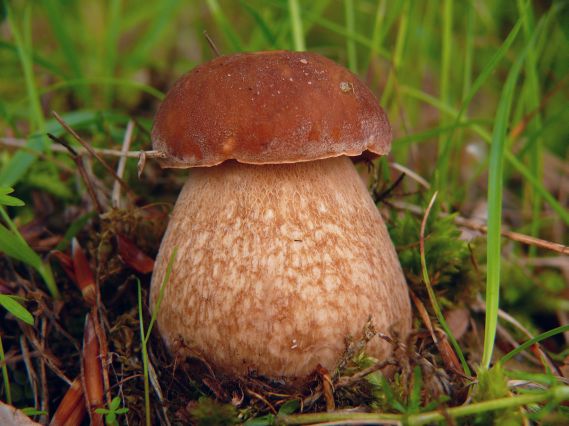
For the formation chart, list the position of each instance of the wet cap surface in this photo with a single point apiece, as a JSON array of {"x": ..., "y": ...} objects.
[{"x": 268, "y": 108}]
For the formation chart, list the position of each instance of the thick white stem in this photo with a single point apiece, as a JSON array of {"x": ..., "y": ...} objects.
[{"x": 277, "y": 265}]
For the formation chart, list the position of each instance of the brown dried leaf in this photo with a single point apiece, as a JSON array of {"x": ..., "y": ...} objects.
[
  {"x": 83, "y": 273},
  {"x": 133, "y": 256},
  {"x": 448, "y": 355},
  {"x": 458, "y": 320},
  {"x": 71, "y": 410},
  {"x": 327, "y": 387},
  {"x": 66, "y": 263},
  {"x": 92, "y": 372}
]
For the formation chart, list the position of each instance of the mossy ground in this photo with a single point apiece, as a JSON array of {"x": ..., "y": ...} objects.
[{"x": 440, "y": 69}]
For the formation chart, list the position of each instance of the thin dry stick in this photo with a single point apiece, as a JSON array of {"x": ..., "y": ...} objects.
[
  {"x": 32, "y": 376},
  {"x": 261, "y": 398},
  {"x": 81, "y": 169},
  {"x": 516, "y": 236},
  {"x": 417, "y": 178},
  {"x": 90, "y": 150},
  {"x": 46, "y": 357},
  {"x": 43, "y": 372},
  {"x": 347, "y": 381},
  {"x": 448, "y": 352},
  {"x": 116, "y": 195},
  {"x": 142, "y": 156},
  {"x": 211, "y": 44},
  {"x": 22, "y": 144},
  {"x": 327, "y": 388},
  {"x": 472, "y": 224}
]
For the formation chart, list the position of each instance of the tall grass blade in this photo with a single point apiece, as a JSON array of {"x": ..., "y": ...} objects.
[
  {"x": 5, "y": 376},
  {"x": 145, "y": 335},
  {"x": 232, "y": 37},
  {"x": 298, "y": 40},
  {"x": 533, "y": 341},
  {"x": 444, "y": 84},
  {"x": 351, "y": 28},
  {"x": 55, "y": 16},
  {"x": 431, "y": 292},
  {"x": 487, "y": 71},
  {"x": 21, "y": 161},
  {"x": 112, "y": 33},
  {"x": 532, "y": 100},
  {"x": 486, "y": 137},
  {"x": 262, "y": 24},
  {"x": 13, "y": 306},
  {"x": 158, "y": 26},
  {"x": 495, "y": 184}
]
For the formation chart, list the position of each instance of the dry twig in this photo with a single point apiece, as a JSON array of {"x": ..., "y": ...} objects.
[{"x": 475, "y": 225}]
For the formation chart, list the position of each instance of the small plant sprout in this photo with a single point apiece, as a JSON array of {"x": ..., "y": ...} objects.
[{"x": 113, "y": 412}]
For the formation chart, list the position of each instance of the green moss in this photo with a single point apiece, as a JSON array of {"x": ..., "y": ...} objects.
[
  {"x": 493, "y": 384},
  {"x": 207, "y": 412},
  {"x": 447, "y": 256}
]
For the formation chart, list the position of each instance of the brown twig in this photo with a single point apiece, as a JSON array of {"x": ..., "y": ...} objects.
[
  {"x": 346, "y": 381},
  {"x": 81, "y": 169},
  {"x": 116, "y": 194},
  {"x": 90, "y": 150},
  {"x": 43, "y": 373},
  {"x": 50, "y": 360},
  {"x": 32, "y": 375},
  {"x": 261, "y": 398},
  {"x": 211, "y": 44},
  {"x": 327, "y": 387},
  {"x": 22, "y": 143},
  {"x": 472, "y": 224},
  {"x": 377, "y": 197},
  {"x": 103, "y": 347}
]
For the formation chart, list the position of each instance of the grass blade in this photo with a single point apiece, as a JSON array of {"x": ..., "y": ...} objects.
[
  {"x": 431, "y": 292},
  {"x": 159, "y": 23},
  {"x": 19, "y": 164},
  {"x": 296, "y": 25},
  {"x": 489, "y": 68},
  {"x": 532, "y": 101},
  {"x": 60, "y": 31},
  {"x": 5, "y": 377},
  {"x": 444, "y": 82},
  {"x": 11, "y": 305},
  {"x": 145, "y": 335},
  {"x": 351, "y": 28},
  {"x": 221, "y": 20},
  {"x": 495, "y": 184},
  {"x": 486, "y": 137}
]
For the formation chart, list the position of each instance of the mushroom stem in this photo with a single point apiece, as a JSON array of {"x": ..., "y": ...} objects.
[{"x": 277, "y": 265}]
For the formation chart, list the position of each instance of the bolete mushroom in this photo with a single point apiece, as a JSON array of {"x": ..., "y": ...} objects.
[{"x": 282, "y": 254}]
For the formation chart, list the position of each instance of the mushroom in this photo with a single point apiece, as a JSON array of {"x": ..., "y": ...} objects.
[{"x": 281, "y": 252}]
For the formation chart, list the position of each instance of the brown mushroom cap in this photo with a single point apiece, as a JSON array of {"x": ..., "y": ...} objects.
[{"x": 268, "y": 108}]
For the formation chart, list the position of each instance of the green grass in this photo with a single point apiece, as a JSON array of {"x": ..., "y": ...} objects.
[
  {"x": 453, "y": 76},
  {"x": 145, "y": 334}
]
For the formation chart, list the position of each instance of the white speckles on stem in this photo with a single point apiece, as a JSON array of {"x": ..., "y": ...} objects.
[{"x": 269, "y": 215}]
